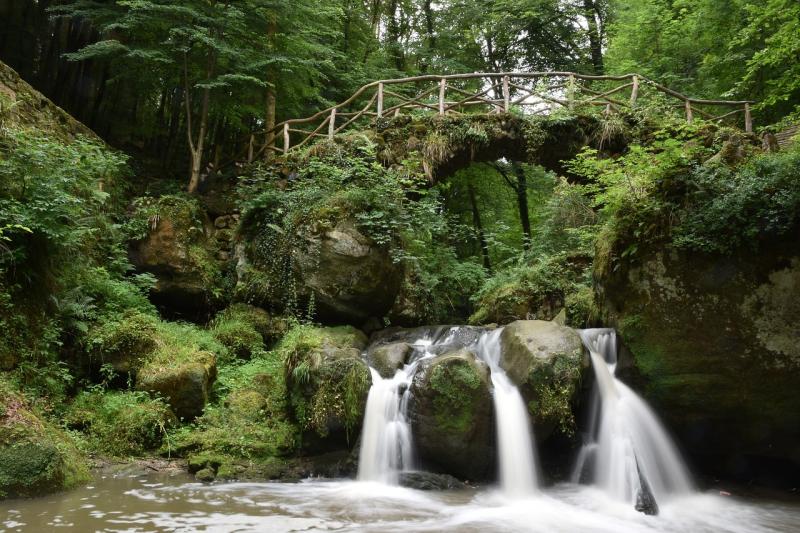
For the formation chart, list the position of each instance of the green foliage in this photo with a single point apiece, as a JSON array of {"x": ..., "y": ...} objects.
[
  {"x": 456, "y": 383},
  {"x": 554, "y": 386},
  {"x": 242, "y": 329},
  {"x": 726, "y": 208},
  {"x": 327, "y": 380},
  {"x": 128, "y": 423}
]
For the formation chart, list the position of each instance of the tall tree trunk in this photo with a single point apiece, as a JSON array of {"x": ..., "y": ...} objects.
[
  {"x": 196, "y": 147},
  {"x": 430, "y": 37},
  {"x": 522, "y": 203},
  {"x": 269, "y": 111},
  {"x": 476, "y": 219},
  {"x": 595, "y": 36}
]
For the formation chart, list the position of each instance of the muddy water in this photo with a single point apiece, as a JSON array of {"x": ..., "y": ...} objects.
[{"x": 174, "y": 503}]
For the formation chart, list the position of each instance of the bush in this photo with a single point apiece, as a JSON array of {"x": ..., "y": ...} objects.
[{"x": 120, "y": 423}]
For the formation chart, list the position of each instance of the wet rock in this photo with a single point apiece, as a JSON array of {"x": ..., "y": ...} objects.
[
  {"x": 388, "y": 358},
  {"x": 36, "y": 457},
  {"x": 545, "y": 360},
  {"x": 430, "y": 481},
  {"x": 206, "y": 475},
  {"x": 184, "y": 383},
  {"x": 711, "y": 340},
  {"x": 645, "y": 502},
  {"x": 451, "y": 416}
]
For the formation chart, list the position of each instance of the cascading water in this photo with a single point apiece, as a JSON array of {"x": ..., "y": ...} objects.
[
  {"x": 387, "y": 446},
  {"x": 516, "y": 454},
  {"x": 629, "y": 453},
  {"x": 387, "y": 442}
]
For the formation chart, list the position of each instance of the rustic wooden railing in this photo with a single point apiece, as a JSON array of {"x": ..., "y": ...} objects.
[{"x": 459, "y": 94}]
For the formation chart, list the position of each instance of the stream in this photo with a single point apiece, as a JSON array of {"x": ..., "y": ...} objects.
[{"x": 161, "y": 502}]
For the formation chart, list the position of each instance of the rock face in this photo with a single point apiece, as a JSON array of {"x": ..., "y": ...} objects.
[
  {"x": 452, "y": 416},
  {"x": 36, "y": 458},
  {"x": 544, "y": 359},
  {"x": 185, "y": 384},
  {"x": 180, "y": 252},
  {"x": 328, "y": 383},
  {"x": 350, "y": 277},
  {"x": 715, "y": 342}
]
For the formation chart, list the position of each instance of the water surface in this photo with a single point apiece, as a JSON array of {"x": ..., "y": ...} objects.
[{"x": 157, "y": 502}]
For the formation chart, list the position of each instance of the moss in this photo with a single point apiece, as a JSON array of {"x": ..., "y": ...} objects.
[
  {"x": 36, "y": 457},
  {"x": 123, "y": 342},
  {"x": 456, "y": 383},
  {"x": 327, "y": 379},
  {"x": 554, "y": 384},
  {"x": 120, "y": 423}
]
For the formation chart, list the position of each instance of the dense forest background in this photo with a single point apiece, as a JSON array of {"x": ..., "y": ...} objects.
[{"x": 185, "y": 84}]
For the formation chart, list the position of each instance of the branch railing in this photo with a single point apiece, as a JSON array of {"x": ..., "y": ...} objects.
[{"x": 494, "y": 93}]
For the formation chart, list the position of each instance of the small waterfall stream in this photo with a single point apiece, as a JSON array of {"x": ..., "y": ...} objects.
[
  {"x": 387, "y": 442},
  {"x": 629, "y": 453},
  {"x": 516, "y": 453}
]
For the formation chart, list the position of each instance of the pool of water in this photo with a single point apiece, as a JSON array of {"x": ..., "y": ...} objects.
[{"x": 157, "y": 502}]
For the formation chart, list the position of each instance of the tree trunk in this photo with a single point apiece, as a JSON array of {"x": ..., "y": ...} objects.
[
  {"x": 476, "y": 219},
  {"x": 269, "y": 111},
  {"x": 522, "y": 203},
  {"x": 595, "y": 36}
]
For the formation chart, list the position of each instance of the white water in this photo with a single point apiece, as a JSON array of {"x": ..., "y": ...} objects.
[
  {"x": 627, "y": 444},
  {"x": 387, "y": 443},
  {"x": 516, "y": 454}
]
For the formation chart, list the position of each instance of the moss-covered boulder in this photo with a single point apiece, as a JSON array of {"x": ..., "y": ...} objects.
[
  {"x": 334, "y": 268},
  {"x": 452, "y": 415},
  {"x": 172, "y": 238},
  {"x": 388, "y": 358},
  {"x": 184, "y": 380},
  {"x": 713, "y": 339},
  {"x": 328, "y": 382},
  {"x": 545, "y": 360},
  {"x": 36, "y": 457},
  {"x": 123, "y": 342},
  {"x": 245, "y": 329}
]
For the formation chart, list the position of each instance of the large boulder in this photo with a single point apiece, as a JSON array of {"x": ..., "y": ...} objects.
[
  {"x": 452, "y": 416},
  {"x": 336, "y": 270},
  {"x": 327, "y": 382},
  {"x": 36, "y": 457},
  {"x": 175, "y": 243},
  {"x": 388, "y": 358},
  {"x": 185, "y": 384},
  {"x": 545, "y": 360},
  {"x": 713, "y": 340}
]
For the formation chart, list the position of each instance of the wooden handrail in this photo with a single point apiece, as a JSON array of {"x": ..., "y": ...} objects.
[{"x": 497, "y": 81}]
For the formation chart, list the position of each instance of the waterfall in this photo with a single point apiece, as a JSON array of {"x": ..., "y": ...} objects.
[
  {"x": 629, "y": 453},
  {"x": 387, "y": 446},
  {"x": 516, "y": 454}
]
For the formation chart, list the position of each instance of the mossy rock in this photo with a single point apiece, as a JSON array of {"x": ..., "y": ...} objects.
[
  {"x": 172, "y": 239},
  {"x": 184, "y": 383},
  {"x": 124, "y": 343},
  {"x": 545, "y": 360},
  {"x": 452, "y": 415},
  {"x": 328, "y": 382},
  {"x": 36, "y": 457},
  {"x": 712, "y": 341}
]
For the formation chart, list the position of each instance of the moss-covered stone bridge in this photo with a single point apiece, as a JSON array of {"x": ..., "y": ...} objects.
[{"x": 495, "y": 94}]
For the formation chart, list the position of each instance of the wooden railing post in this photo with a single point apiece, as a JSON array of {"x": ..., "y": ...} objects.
[
  {"x": 286, "y": 138},
  {"x": 332, "y": 124},
  {"x": 380, "y": 99},
  {"x": 748, "y": 119},
  {"x": 571, "y": 92},
  {"x": 635, "y": 90},
  {"x": 689, "y": 116},
  {"x": 506, "y": 95},
  {"x": 442, "y": 89}
]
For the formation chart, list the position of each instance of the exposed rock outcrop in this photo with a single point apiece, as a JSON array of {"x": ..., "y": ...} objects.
[
  {"x": 714, "y": 344},
  {"x": 452, "y": 415},
  {"x": 544, "y": 359}
]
